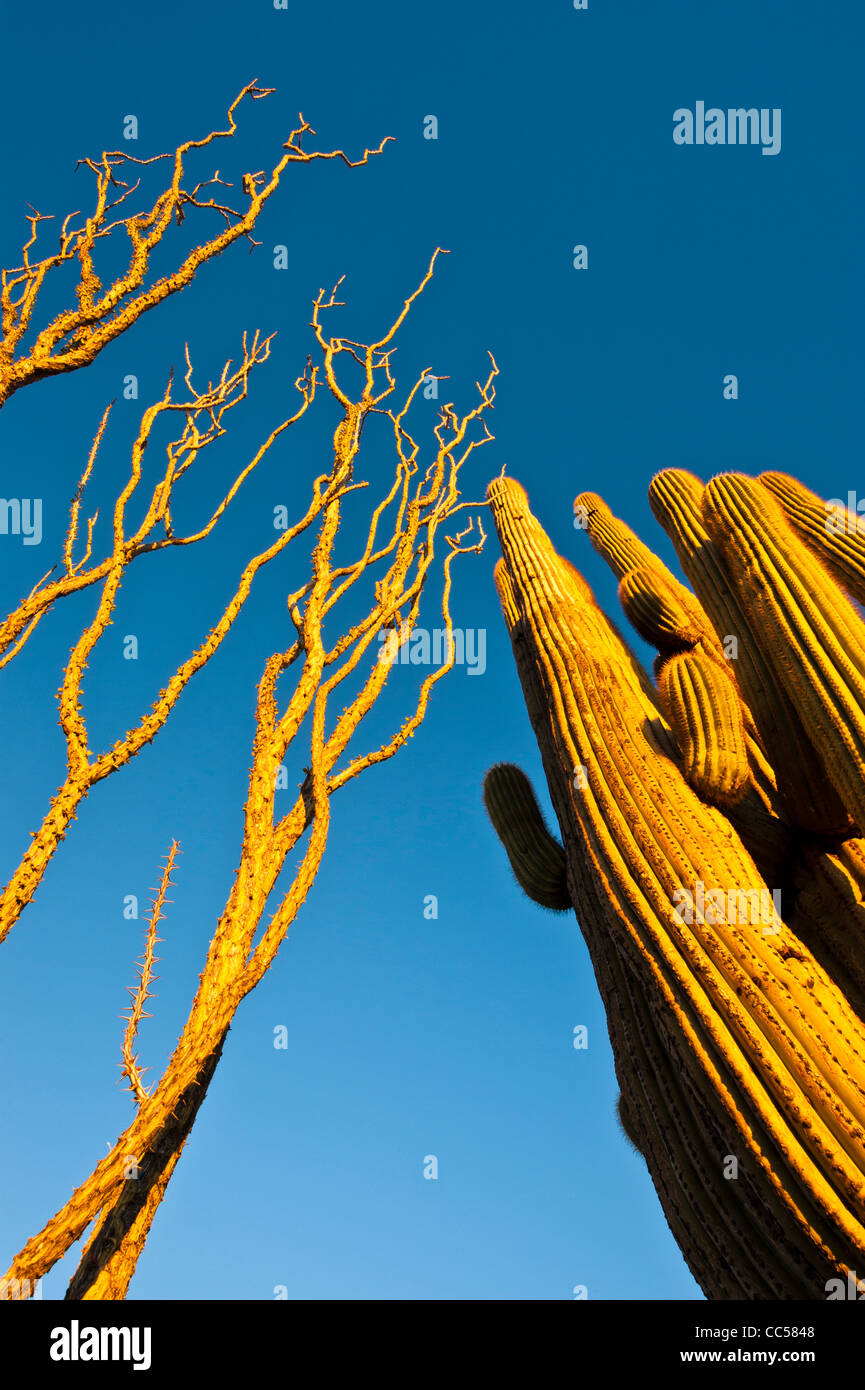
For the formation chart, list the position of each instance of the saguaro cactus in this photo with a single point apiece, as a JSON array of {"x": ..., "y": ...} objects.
[{"x": 713, "y": 833}]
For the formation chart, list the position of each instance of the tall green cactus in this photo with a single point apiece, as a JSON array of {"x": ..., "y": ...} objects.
[{"x": 712, "y": 828}]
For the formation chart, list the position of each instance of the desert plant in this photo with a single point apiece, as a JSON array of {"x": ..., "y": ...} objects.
[
  {"x": 349, "y": 617},
  {"x": 712, "y": 827}
]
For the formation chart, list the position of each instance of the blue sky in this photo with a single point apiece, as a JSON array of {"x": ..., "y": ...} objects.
[{"x": 406, "y": 1037}]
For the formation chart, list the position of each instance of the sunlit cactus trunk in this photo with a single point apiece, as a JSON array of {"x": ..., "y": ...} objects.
[{"x": 739, "y": 1048}]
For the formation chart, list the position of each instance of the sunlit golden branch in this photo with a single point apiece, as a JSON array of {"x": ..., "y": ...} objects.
[
  {"x": 240, "y": 952},
  {"x": 77, "y": 335},
  {"x": 83, "y": 771},
  {"x": 181, "y": 453}
]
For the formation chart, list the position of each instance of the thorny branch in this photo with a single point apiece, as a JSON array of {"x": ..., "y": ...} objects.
[
  {"x": 181, "y": 453},
  {"x": 418, "y": 503},
  {"x": 84, "y": 770},
  {"x": 141, "y": 992},
  {"x": 76, "y": 336}
]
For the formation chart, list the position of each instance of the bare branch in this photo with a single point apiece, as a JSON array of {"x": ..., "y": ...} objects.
[
  {"x": 76, "y": 336},
  {"x": 418, "y": 503}
]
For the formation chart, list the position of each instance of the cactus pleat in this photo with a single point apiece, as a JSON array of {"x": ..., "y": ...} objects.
[
  {"x": 730, "y": 1245},
  {"x": 705, "y": 713},
  {"x": 730, "y": 1038},
  {"x": 537, "y": 859},
  {"x": 690, "y": 1184},
  {"x": 829, "y": 914},
  {"x": 805, "y": 795},
  {"x": 685, "y": 1159},
  {"x": 812, "y": 634},
  {"x": 837, "y": 539}
]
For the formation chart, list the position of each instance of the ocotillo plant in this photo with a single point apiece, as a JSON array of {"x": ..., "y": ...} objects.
[
  {"x": 77, "y": 335},
  {"x": 712, "y": 829},
  {"x": 344, "y": 627},
  {"x": 125, "y": 1188},
  {"x": 74, "y": 338}
]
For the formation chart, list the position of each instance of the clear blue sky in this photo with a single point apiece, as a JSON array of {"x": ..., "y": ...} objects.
[{"x": 406, "y": 1036}]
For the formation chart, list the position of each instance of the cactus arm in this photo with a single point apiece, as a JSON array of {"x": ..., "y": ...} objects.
[
  {"x": 661, "y": 613},
  {"x": 616, "y": 542},
  {"x": 537, "y": 859},
  {"x": 705, "y": 713}
]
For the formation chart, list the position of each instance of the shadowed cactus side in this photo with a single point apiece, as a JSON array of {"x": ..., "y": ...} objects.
[{"x": 715, "y": 859}]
